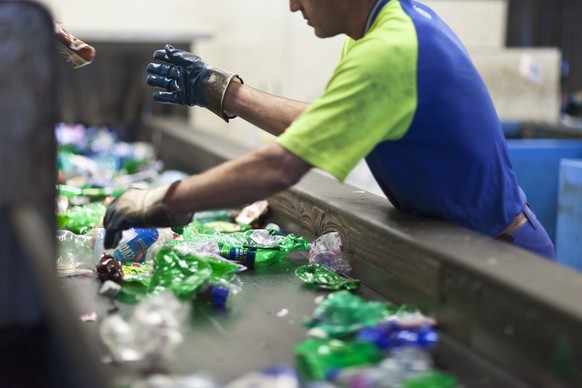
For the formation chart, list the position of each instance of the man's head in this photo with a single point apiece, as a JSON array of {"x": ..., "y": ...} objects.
[{"x": 333, "y": 17}]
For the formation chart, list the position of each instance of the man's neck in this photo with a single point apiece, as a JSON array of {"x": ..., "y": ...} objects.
[{"x": 363, "y": 11}]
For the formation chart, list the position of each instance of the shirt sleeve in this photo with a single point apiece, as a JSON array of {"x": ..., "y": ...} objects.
[{"x": 370, "y": 98}]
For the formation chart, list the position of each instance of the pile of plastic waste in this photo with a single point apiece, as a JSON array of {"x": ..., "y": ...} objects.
[{"x": 350, "y": 342}]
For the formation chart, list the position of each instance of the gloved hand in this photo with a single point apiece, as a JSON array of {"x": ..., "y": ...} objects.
[
  {"x": 189, "y": 81},
  {"x": 138, "y": 208}
]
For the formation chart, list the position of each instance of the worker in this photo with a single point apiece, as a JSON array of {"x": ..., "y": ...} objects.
[{"x": 405, "y": 96}]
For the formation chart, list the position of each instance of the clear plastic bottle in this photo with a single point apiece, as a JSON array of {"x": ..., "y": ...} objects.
[
  {"x": 75, "y": 250},
  {"x": 119, "y": 338},
  {"x": 165, "y": 235},
  {"x": 407, "y": 361}
]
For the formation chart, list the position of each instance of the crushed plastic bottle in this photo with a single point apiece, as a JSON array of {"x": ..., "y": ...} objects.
[
  {"x": 151, "y": 333},
  {"x": 324, "y": 278},
  {"x": 405, "y": 367},
  {"x": 251, "y": 247},
  {"x": 82, "y": 219},
  {"x": 77, "y": 250},
  {"x": 165, "y": 237},
  {"x": 158, "y": 324},
  {"x": 408, "y": 361},
  {"x": 134, "y": 244},
  {"x": 327, "y": 250},
  {"x": 316, "y": 358},
  {"x": 186, "y": 274},
  {"x": 343, "y": 313},
  {"x": 119, "y": 338},
  {"x": 362, "y": 377}
]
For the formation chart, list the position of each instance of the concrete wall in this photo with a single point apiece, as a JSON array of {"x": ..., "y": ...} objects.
[{"x": 524, "y": 83}]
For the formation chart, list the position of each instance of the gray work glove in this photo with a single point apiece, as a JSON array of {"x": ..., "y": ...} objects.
[
  {"x": 189, "y": 81},
  {"x": 138, "y": 208}
]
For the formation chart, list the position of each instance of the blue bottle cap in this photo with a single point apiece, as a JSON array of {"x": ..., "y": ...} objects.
[
  {"x": 375, "y": 336},
  {"x": 332, "y": 373},
  {"x": 425, "y": 337},
  {"x": 428, "y": 337},
  {"x": 219, "y": 295},
  {"x": 380, "y": 335}
]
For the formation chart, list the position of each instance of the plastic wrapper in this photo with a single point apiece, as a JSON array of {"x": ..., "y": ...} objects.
[
  {"x": 327, "y": 250},
  {"x": 253, "y": 214},
  {"x": 73, "y": 49},
  {"x": 322, "y": 277}
]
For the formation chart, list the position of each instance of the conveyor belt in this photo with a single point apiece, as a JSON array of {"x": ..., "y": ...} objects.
[
  {"x": 500, "y": 306},
  {"x": 259, "y": 327}
]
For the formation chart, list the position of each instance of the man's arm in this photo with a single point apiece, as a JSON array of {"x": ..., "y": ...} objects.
[
  {"x": 256, "y": 175},
  {"x": 270, "y": 113},
  {"x": 183, "y": 78}
]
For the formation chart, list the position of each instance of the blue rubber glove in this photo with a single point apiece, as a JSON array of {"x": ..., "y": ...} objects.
[{"x": 187, "y": 80}]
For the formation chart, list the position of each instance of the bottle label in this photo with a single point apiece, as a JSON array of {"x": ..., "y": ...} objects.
[
  {"x": 135, "y": 249},
  {"x": 244, "y": 255}
]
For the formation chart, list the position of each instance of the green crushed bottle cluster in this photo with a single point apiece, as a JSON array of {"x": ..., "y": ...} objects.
[{"x": 351, "y": 342}]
